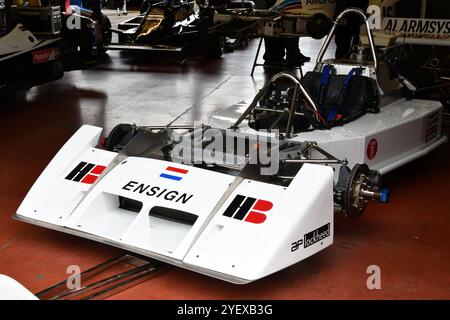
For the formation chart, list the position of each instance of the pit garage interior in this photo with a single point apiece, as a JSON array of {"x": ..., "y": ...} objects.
[{"x": 407, "y": 238}]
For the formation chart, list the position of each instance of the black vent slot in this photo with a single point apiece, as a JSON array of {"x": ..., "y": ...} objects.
[
  {"x": 130, "y": 204},
  {"x": 173, "y": 215}
]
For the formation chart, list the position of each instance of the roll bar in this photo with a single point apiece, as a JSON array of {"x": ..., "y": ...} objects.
[
  {"x": 297, "y": 89},
  {"x": 333, "y": 29}
]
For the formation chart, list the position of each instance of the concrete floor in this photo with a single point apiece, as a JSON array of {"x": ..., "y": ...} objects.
[{"x": 407, "y": 238}]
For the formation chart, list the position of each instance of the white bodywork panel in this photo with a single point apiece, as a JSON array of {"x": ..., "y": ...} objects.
[
  {"x": 235, "y": 249},
  {"x": 99, "y": 213},
  {"x": 19, "y": 41},
  {"x": 250, "y": 251},
  {"x": 403, "y": 130},
  {"x": 10, "y": 289}
]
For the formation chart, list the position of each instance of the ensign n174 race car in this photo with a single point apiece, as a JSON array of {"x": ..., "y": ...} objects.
[{"x": 256, "y": 189}]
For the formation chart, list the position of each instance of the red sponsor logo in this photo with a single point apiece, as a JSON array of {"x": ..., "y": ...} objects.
[
  {"x": 46, "y": 55},
  {"x": 248, "y": 209},
  {"x": 85, "y": 172},
  {"x": 372, "y": 149}
]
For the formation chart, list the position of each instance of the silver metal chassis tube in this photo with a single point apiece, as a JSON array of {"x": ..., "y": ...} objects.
[
  {"x": 325, "y": 153},
  {"x": 292, "y": 111},
  {"x": 278, "y": 111},
  {"x": 173, "y": 127},
  {"x": 324, "y": 161},
  {"x": 263, "y": 91},
  {"x": 252, "y": 105},
  {"x": 277, "y": 120},
  {"x": 333, "y": 29}
]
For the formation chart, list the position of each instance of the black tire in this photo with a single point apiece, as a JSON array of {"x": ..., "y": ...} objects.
[
  {"x": 144, "y": 6},
  {"x": 119, "y": 136},
  {"x": 211, "y": 46},
  {"x": 241, "y": 4},
  {"x": 318, "y": 26},
  {"x": 106, "y": 33},
  {"x": 445, "y": 100},
  {"x": 70, "y": 55}
]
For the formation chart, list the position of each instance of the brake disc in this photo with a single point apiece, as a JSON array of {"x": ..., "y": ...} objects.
[{"x": 354, "y": 202}]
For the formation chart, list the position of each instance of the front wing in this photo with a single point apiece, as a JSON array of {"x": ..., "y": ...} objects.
[{"x": 225, "y": 226}]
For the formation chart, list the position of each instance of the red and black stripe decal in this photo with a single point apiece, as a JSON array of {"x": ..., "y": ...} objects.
[
  {"x": 85, "y": 172},
  {"x": 248, "y": 209}
]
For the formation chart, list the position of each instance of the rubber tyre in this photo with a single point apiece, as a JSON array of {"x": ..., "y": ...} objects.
[{"x": 211, "y": 46}]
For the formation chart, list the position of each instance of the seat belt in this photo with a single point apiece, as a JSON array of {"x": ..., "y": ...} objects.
[
  {"x": 324, "y": 82},
  {"x": 336, "y": 113}
]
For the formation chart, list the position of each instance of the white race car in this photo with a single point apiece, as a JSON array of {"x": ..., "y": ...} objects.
[{"x": 230, "y": 215}]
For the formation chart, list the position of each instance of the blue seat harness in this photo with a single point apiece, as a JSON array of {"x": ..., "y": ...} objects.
[{"x": 323, "y": 91}]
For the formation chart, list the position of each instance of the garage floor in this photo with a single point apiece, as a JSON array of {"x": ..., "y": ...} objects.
[{"x": 407, "y": 238}]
